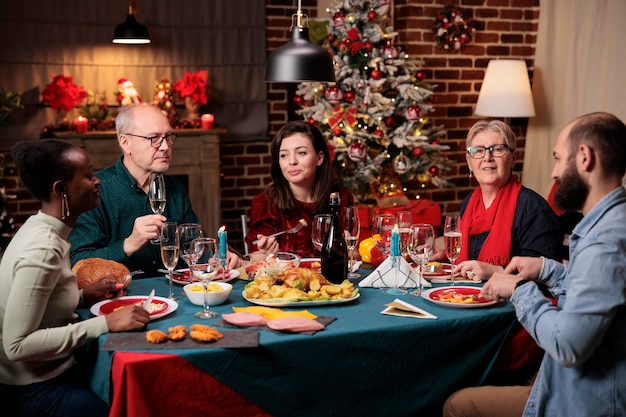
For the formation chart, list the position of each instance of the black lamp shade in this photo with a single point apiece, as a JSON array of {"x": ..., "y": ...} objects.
[
  {"x": 299, "y": 60},
  {"x": 131, "y": 32}
]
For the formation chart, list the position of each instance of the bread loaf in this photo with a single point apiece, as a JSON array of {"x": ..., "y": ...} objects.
[{"x": 91, "y": 270}]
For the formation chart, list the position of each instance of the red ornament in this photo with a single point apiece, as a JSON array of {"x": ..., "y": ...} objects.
[
  {"x": 376, "y": 74},
  {"x": 369, "y": 46},
  {"x": 332, "y": 37},
  {"x": 343, "y": 47},
  {"x": 379, "y": 133},
  {"x": 312, "y": 121},
  {"x": 299, "y": 100},
  {"x": 339, "y": 19},
  {"x": 349, "y": 96},
  {"x": 372, "y": 15},
  {"x": 418, "y": 151},
  {"x": 333, "y": 94},
  {"x": 420, "y": 75},
  {"x": 337, "y": 130},
  {"x": 357, "y": 151},
  {"x": 413, "y": 112},
  {"x": 390, "y": 121},
  {"x": 433, "y": 170}
]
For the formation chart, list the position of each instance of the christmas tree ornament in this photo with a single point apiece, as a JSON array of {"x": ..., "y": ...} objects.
[
  {"x": 331, "y": 37},
  {"x": 379, "y": 133},
  {"x": 372, "y": 15},
  {"x": 389, "y": 50},
  {"x": 369, "y": 46},
  {"x": 349, "y": 96},
  {"x": 343, "y": 47},
  {"x": 420, "y": 75},
  {"x": 339, "y": 20},
  {"x": 357, "y": 151},
  {"x": 401, "y": 164},
  {"x": 413, "y": 112},
  {"x": 298, "y": 100},
  {"x": 376, "y": 74},
  {"x": 337, "y": 130},
  {"x": 433, "y": 170},
  {"x": 312, "y": 121},
  {"x": 418, "y": 151},
  {"x": 333, "y": 94},
  {"x": 390, "y": 121}
]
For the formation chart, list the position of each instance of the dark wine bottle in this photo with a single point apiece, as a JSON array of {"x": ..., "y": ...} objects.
[{"x": 335, "y": 251}]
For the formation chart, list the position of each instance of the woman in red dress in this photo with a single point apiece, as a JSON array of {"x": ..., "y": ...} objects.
[{"x": 302, "y": 180}]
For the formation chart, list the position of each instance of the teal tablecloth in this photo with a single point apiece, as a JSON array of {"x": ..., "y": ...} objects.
[{"x": 364, "y": 363}]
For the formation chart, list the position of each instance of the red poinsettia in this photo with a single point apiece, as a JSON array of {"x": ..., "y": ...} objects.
[
  {"x": 195, "y": 86},
  {"x": 62, "y": 93}
]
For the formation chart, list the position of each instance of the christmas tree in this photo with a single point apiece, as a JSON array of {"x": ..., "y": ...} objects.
[{"x": 375, "y": 115}]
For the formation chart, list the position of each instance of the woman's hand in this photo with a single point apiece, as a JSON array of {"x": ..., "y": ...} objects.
[
  {"x": 233, "y": 260},
  {"x": 477, "y": 271},
  {"x": 267, "y": 244},
  {"x": 101, "y": 290},
  {"x": 131, "y": 317},
  {"x": 525, "y": 267}
]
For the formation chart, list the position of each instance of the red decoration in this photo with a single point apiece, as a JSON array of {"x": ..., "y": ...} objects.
[
  {"x": 390, "y": 121},
  {"x": 333, "y": 94},
  {"x": 299, "y": 100},
  {"x": 331, "y": 37},
  {"x": 337, "y": 130},
  {"x": 379, "y": 133},
  {"x": 343, "y": 47},
  {"x": 433, "y": 170},
  {"x": 349, "y": 96},
  {"x": 420, "y": 75},
  {"x": 418, "y": 151},
  {"x": 62, "y": 93},
  {"x": 194, "y": 86},
  {"x": 413, "y": 112},
  {"x": 372, "y": 15},
  {"x": 357, "y": 151},
  {"x": 369, "y": 46},
  {"x": 312, "y": 121},
  {"x": 348, "y": 115},
  {"x": 390, "y": 51},
  {"x": 453, "y": 27},
  {"x": 376, "y": 74},
  {"x": 339, "y": 19}
]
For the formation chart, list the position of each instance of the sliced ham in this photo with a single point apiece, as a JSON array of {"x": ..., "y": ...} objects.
[
  {"x": 245, "y": 319},
  {"x": 295, "y": 325}
]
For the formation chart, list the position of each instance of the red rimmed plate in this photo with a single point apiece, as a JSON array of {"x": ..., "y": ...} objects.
[
  {"x": 162, "y": 306},
  {"x": 186, "y": 279},
  {"x": 457, "y": 297}
]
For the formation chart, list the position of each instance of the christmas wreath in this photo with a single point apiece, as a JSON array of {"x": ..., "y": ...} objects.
[{"x": 453, "y": 28}]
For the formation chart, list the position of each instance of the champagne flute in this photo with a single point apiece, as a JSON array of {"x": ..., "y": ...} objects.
[
  {"x": 351, "y": 230},
  {"x": 206, "y": 253},
  {"x": 157, "y": 196},
  {"x": 319, "y": 228},
  {"x": 170, "y": 245},
  {"x": 452, "y": 240},
  {"x": 382, "y": 227},
  {"x": 405, "y": 220},
  {"x": 420, "y": 248}
]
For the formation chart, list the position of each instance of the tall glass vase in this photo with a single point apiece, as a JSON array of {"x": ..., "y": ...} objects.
[{"x": 192, "y": 109}]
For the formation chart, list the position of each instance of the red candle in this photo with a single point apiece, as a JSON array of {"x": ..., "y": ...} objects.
[
  {"x": 207, "y": 121},
  {"x": 80, "y": 124}
]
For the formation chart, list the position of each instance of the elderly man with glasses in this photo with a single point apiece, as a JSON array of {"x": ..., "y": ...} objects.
[{"x": 123, "y": 224}]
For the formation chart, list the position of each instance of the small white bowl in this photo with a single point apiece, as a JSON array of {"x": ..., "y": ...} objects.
[{"x": 213, "y": 297}]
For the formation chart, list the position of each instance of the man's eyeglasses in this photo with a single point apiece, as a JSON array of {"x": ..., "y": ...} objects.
[
  {"x": 478, "y": 152},
  {"x": 156, "y": 141}
]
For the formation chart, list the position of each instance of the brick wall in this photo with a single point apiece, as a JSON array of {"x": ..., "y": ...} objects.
[{"x": 506, "y": 29}]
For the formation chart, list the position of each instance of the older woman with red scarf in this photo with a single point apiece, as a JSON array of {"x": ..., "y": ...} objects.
[{"x": 502, "y": 219}]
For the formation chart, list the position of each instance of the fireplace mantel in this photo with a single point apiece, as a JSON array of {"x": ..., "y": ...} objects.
[{"x": 196, "y": 157}]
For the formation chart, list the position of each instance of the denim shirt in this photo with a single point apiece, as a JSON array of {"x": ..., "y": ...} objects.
[{"x": 584, "y": 370}]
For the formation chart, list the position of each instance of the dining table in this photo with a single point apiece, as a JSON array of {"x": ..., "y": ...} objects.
[{"x": 362, "y": 363}]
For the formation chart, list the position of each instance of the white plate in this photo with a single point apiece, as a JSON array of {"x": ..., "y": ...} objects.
[
  {"x": 184, "y": 280},
  {"x": 107, "y": 306},
  {"x": 432, "y": 295},
  {"x": 279, "y": 302}
]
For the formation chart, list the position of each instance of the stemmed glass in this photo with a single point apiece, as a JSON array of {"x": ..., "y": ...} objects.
[
  {"x": 382, "y": 226},
  {"x": 170, "y": 245},
  {"x": 319, "y": 228},
  {"x": 420, "y": 248},
  {"x": 187, "y": 232},
  {"x": 405, "y": 220},
  {"x": 157, "y": 196},
  {"x": 351, "y": 229},
  {"x": 205, "y": 251},
  {"x": 452, "y": 240}
]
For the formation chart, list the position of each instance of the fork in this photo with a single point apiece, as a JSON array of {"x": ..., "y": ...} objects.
[{"x": 301, "y": 223}]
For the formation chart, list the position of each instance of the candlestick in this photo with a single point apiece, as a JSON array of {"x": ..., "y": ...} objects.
[
  {"x": 80, "y": 124},
  {"x": 207, "y": 121},
  {"x": 222, "y": 239},
  {"x": 395, "y": 241}
]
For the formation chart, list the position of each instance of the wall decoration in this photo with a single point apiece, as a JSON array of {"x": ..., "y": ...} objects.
[{"x": 453, "y": 28}]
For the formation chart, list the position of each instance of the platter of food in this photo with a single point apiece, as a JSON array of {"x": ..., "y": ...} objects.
[
  {"x": 457, "y": 297},
  {"x": 300, "y": 302},
  {"x": 159, "y": 306},
  {"x": 183, "y": 276}
]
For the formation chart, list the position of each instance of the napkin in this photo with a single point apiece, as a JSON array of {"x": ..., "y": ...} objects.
[
  {"x": 404, "y": 309},
  {"x": 272, "y": 313},
  {"x": 385, "y": 275}
]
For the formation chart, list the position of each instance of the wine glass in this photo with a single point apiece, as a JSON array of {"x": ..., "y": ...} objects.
[
  {"x": 452, "y": 240},
  {"x": 170, "y": 245},
  {"x": 405, "y": 220},
  {"x": 205, "y": 251},
  {"x": 420, "y": 248},
  {"x": 187, "y": 232},
  {"x": 382, "y": 227},
  {"x": 319, "y": 228},
  {"x": 157, "y": 196},
  {"x": 351, "y": 229}
]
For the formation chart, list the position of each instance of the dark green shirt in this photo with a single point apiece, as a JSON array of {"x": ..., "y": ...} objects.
[{"x": 100, "y": 233}]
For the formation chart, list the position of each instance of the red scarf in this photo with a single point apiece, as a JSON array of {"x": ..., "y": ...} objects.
[{"x": 498, "y": 218}]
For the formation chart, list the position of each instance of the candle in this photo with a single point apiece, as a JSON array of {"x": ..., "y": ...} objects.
[
  {"x": 395, "y": 241},
  {"x": 207, "y": 121},
  {"x": 222, "y": 239},
  {"x": 80, "y": 124}
]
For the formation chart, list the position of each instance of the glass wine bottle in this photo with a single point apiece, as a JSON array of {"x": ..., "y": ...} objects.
[{"x": 335, "y": 252}]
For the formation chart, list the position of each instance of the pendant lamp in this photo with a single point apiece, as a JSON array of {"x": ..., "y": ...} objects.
[
  {"x": 299, "y": 60},
  {"x": 131, "y": 31}
]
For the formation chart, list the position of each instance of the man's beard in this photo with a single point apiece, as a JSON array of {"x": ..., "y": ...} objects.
[{"x": 572, "y": 191}]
